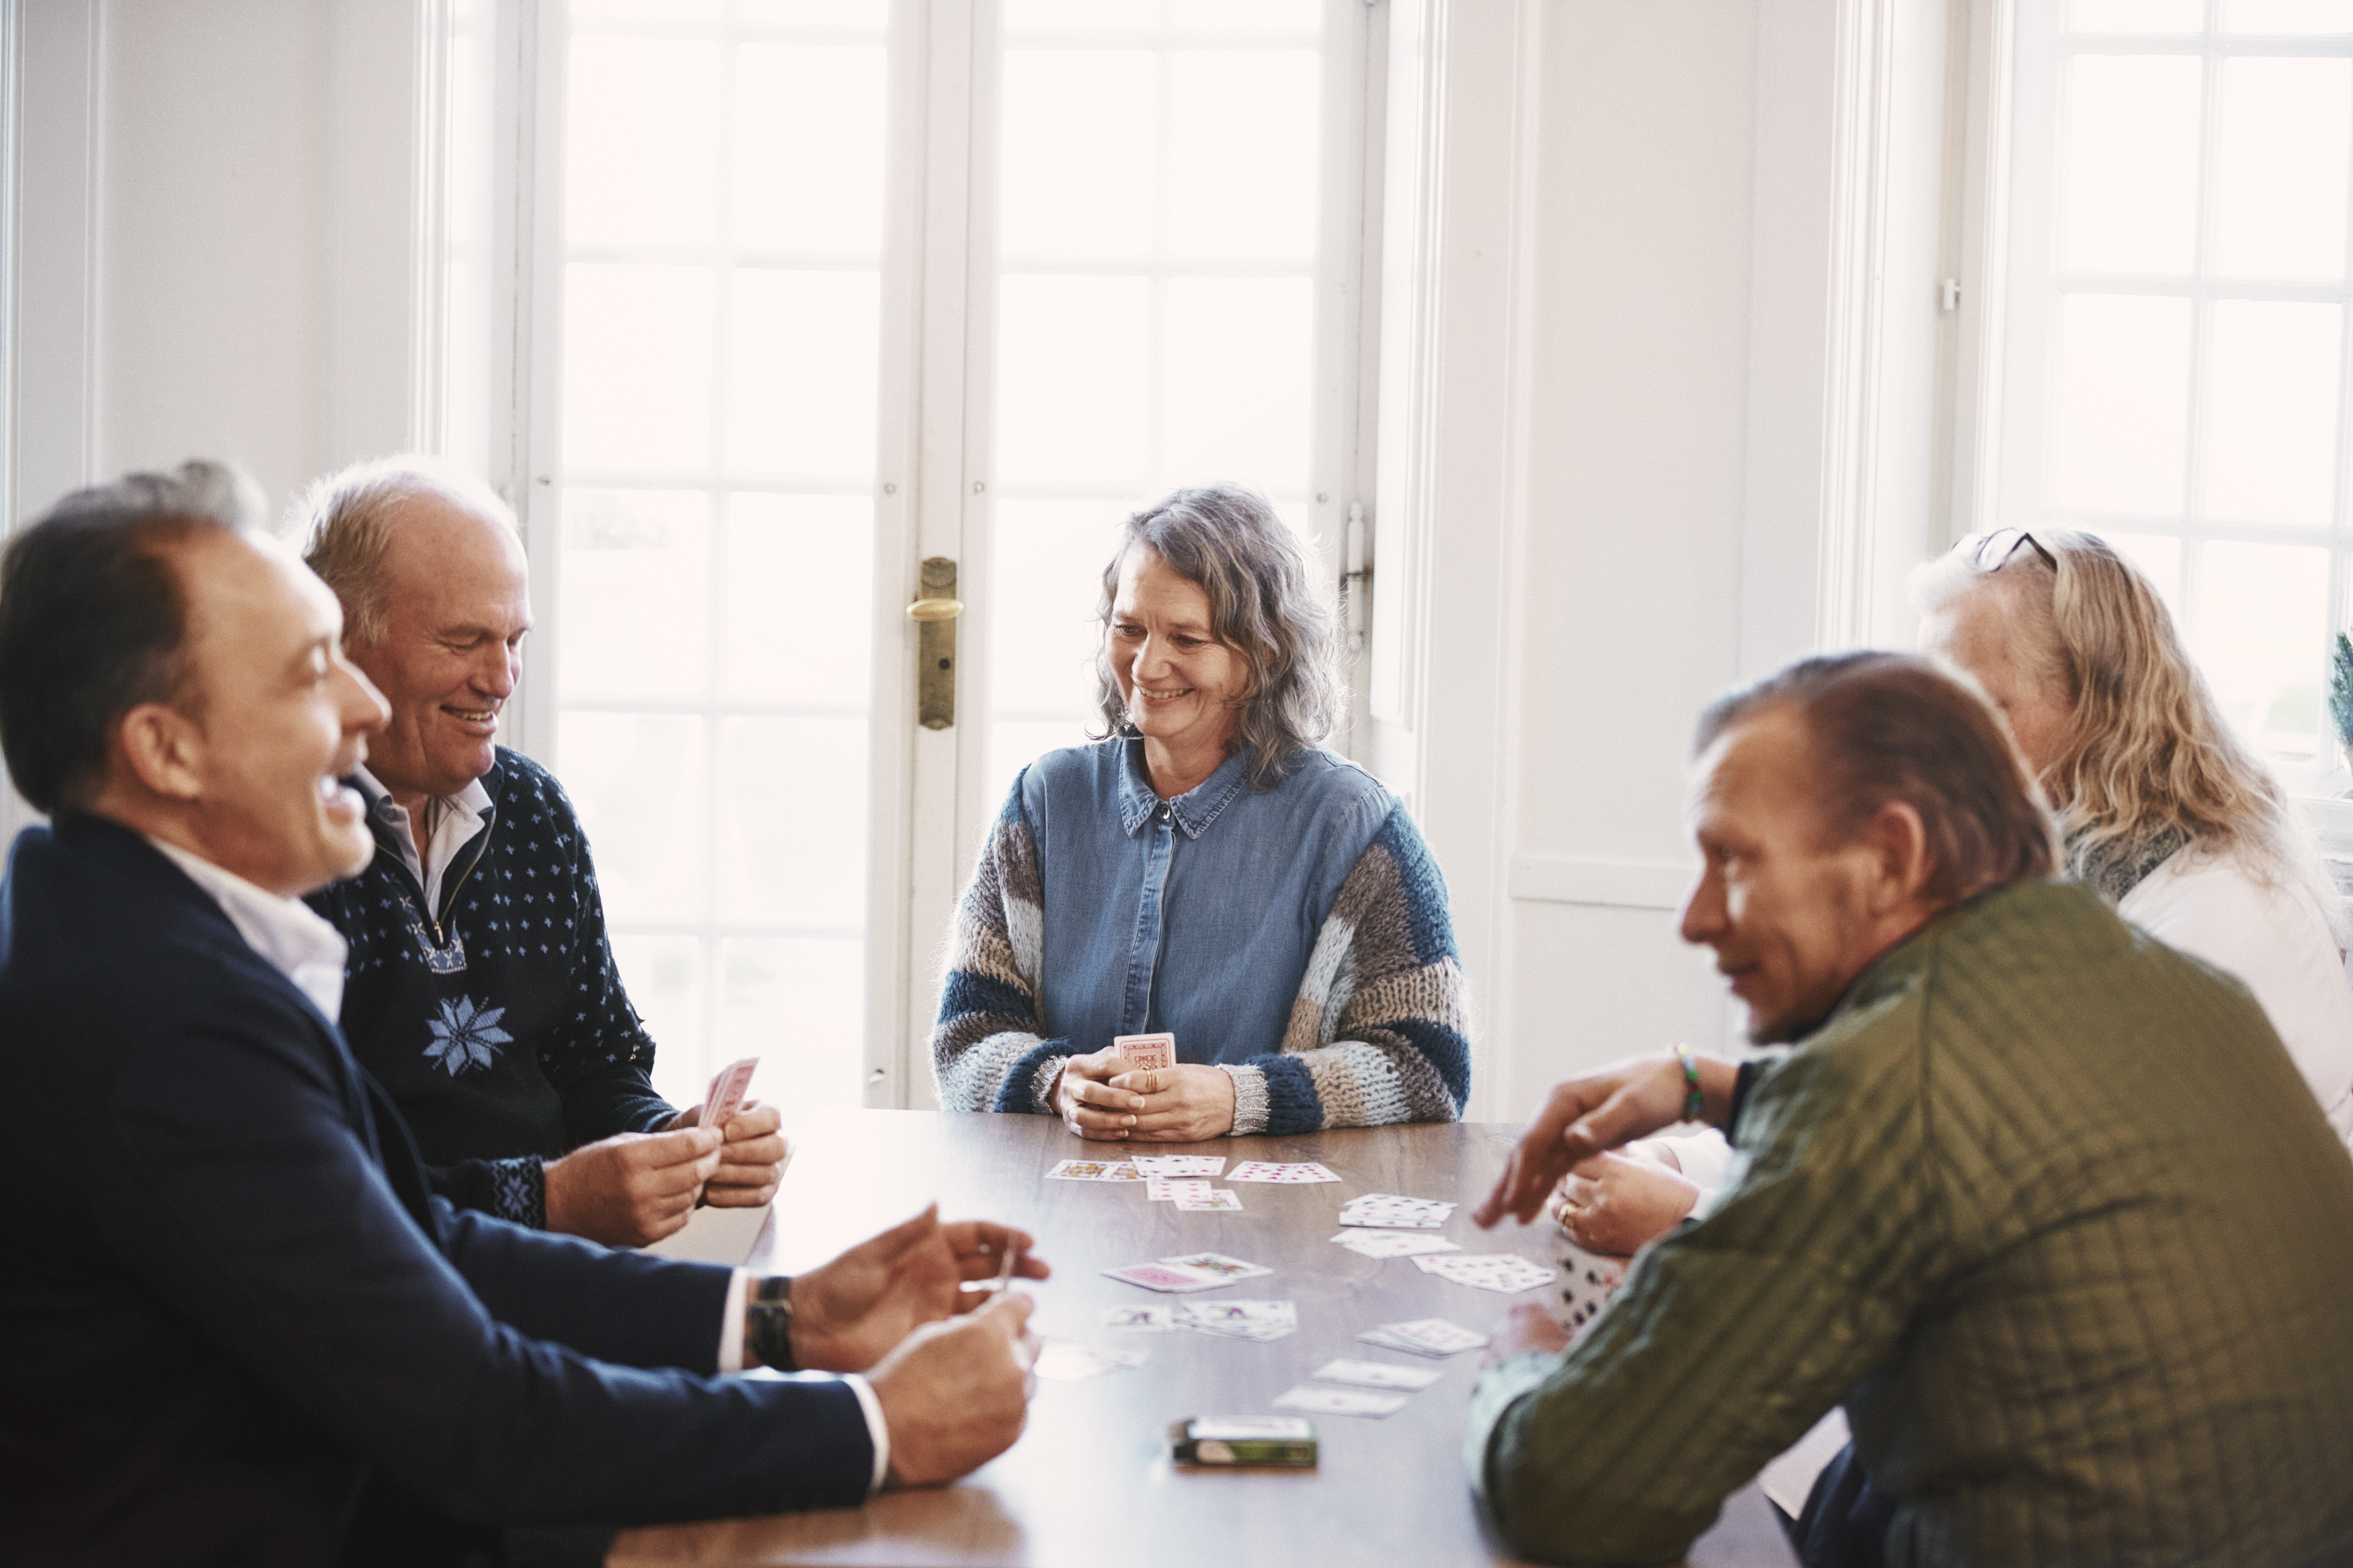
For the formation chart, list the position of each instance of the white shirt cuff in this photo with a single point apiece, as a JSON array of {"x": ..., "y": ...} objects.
[
  {"x": 875, "y": 1428},
  {"x": 731, "y": 1323}
]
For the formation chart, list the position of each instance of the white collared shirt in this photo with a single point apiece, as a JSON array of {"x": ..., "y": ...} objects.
[
  {"x": 450, "y": 823},
  {"x": 293, "y": 939}
]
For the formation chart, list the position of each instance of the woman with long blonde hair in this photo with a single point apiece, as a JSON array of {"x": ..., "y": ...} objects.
[{"x": 2160, "y": 806}]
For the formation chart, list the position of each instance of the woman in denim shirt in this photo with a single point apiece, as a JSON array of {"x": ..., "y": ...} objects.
[{"x": 1209, "y": 870}]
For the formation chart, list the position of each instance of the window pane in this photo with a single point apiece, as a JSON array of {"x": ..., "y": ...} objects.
[
  {"x": 1292, "y": 17},
  {"x": 2287, "y": 16},
  {"x": 809, "y": 149},
  {"x": 2122, "y": 404},
  {"x": 663, "y": 975},
  {"x": 2138, "y": 16},
  {"x": 799, "y": 596},
  {"x": 1239, "y": 382},
  {"x": 2271, "y": 419},
  {"x": 798, "y": 1005},
  {"x": 1242, "y": 150},
  {"x": 2128, "y": 186},
  {"x": 1053, "y": 553},
  {"x": 2262, "y": 639},
  {"x": 638, "y": 779},
  {"x": 637, "y": 367},
  {"x": 1080, "y": 161},
  {"x": 803, "y": 353},
  {"x": 1074, "y": 363},
  {"x": 2281, "y": 167},
  {"x": 2160, "y": 558},
  {"x": 642, "y": 143},
  {"x": 871, "y": 16},
  {"x": 1137, "y": 16},
  {"x": 635, "y": 562},
  {"x": 792, "y": 829}
]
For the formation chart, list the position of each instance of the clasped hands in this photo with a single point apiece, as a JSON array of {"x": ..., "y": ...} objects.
[
  {"x": 950, "y": 1366},
  {"x": 634, "y": 1188},
  {"x": 1103, "y": 1097}
]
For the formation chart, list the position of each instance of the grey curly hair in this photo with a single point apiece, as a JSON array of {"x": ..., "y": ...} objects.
[{"x": 1263, "y": 604}]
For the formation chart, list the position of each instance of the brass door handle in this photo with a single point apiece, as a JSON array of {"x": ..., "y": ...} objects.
[{"x": 935, "y": 614}]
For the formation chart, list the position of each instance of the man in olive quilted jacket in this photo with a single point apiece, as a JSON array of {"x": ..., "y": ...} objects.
[{"x": 2043, "y": 1203}]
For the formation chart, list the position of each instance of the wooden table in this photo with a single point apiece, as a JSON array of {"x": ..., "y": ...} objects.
[{"x": 1089, "y": 1483}]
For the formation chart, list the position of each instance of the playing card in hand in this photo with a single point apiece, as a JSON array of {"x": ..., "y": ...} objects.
[
  {"x": 1583, "y": 1283},
  {"x": 1146, "y": 1053},
  {"x": 725, "y": 1095}
]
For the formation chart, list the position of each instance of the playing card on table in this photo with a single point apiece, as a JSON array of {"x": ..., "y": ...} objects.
[
  {"x": 1178, "y": 1164},
  {"x": 1219, "y": 1264},
  {"x": 1424, "y": 1336},
  {"x": 1242, "y": 1320},
  {"x": 1505, "y": 1273},
  {"x": 1167, "y": 1276},
  {"x": 1393, "y": 1243},
  {"x": 1216, "y": 1198},
  {"x": 1389, "y": 1210},
  {"x": 1163, "y": 1189},
  {"x": 1142, "y": 1319},
  {"x": 1375, "y": 1375},
  {"x": 1070, "y": 1360},
  {"x": 1146, "y": 1053},
  {"x": 725, "y": 1095},
  {"x": 1093, "y": 1171},
  {"x": 1264, "y": 1170},
  {"x": 1340, "y": 1400}
]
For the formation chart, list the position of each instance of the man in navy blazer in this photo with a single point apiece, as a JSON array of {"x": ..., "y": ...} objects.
[{"x": 230, "y": 1307}]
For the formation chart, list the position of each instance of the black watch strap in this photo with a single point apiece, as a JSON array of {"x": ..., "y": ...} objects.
[{"x": 768, "y": 1322}]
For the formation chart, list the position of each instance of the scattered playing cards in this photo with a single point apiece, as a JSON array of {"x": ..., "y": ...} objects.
[
  {"x": 1070, "y": 1360},
  {"x": 1142, "y": 1319},
  {"x": 1340, "y": 1400},
  {"x": 1216, "y": 1198},
  {"x": 725, "y": 1095},
  {"x": 1194, "y": 1272},
  {"x": 1242, "y": 1319},
  {"x": 1505, "y": 1273},
  {"x": 1146, "y": 1053},
  {"x": 1388, "y": 1210},
  {"x": 1162, "y": 1189},
  {"x": 1375, "y": 1375},
  {"x": 1263, "y": 1171},
  {"x": 1178, "y": 1164},
  {"x": 1094, "y": 1171},
  {"x": 1424, "y": 1336},
  {"x": 1393, "y": 1243}
]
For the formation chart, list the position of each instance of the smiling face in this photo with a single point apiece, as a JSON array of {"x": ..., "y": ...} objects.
[
  {"x": 1978, "y": 632},
  {"x": 1786, "y": 913},
  {"x": 456, "y": 602},
  {"x": 278, "y": 717},
  {"x": 1184, "y": 689}
]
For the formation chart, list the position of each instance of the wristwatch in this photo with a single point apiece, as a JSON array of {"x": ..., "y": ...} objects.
[{"x": 768, "y": 1322}]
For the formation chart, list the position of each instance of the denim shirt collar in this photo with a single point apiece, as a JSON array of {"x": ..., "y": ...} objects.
[{"x": 1194, "y": 810}]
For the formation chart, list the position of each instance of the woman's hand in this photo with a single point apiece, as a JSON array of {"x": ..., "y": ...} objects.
[
  {"x": 1613, "y": 1204},
  {"x": 1089, "y": 1104},
  {"x": 1183, "y": 1104}
]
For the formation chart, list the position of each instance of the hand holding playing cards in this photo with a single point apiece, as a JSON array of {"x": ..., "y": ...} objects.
[
  {"x": 1614, "y": 1203},
  {"x": 752, "y": 1161},
  {"x": 1181, "y": 1104},
  {"x": 954, "y": 1394},
  {"x": 1593, "y": 1114},
  {"x": 1526, "y": 1328},
  {"x": 631, "y": 1188},
  {"x": 849, "y": 1314},
  {"x": 1086, "y": 1101}
]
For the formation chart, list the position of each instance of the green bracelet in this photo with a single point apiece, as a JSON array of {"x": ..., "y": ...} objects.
[{"x": 1695, "y": 1102}]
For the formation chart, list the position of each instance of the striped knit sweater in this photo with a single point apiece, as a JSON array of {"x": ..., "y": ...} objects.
[{"x": 1379, "y": 1032}]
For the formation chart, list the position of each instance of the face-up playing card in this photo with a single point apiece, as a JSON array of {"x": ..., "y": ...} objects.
[
  {"x": 1390, "y": 1211},
  {"x": 1180, "y": 1165},
  {"x": 1261, "y": 1321},
  {"x": 1216, "y": 1198},
  {"x": 1141, "y": 1320},
  {"x": 1583, "y": 1283},
  {"x": 1165, "y": 1189},
  {"x": 1226, "y": 1269},
  {"x": 1169, "y": 1276},
  {"x": 1341, "y": 1401},
  {"x": 1375, "y": 1375},
  {"x": 1394, "y": 1243},
  {"x": 1430, "y": 1336},
  {"x": 1093, "y": 1171},
  {"x": 1070, "y": 1360},
  {"x": 1505, "y": 1273},
  {"x": 1146, "y": 1053},
  {"x": 1263, "y": 1171},
  {"x": 725, "y": 1095}
]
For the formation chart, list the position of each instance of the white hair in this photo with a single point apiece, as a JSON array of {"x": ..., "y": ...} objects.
[{"x": 346, "y": 521}]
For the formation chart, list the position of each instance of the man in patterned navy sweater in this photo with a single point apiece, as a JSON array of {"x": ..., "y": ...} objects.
[{"x": 481, "y": 991}]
